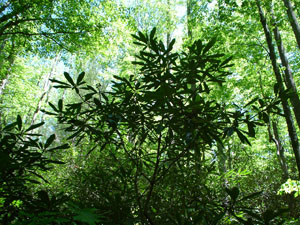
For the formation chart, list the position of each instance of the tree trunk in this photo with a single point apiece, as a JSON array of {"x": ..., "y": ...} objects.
[
  {"x": 4, "y": 82},
  {"x": 188, "y": 15},
  {"x": 279, "y": 151},
  {"x": 46, "y": 89},
  {"x": 289, "y": 79},
  {"x": 286, "y": 109},
  {"x": 293, "y": 20},
  {"x": 10, "y": 59},
  {"x": 169, "y": 25}
]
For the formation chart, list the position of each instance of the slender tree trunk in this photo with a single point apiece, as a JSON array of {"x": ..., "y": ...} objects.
[
  {"x": 188, "y": 15},
  {"x": 293, "y": 20},
  {"x": 10, "y": 59},
  {"x": 4, "y": 82},
  {"x": 46, "y": 89},
  {"x": 286, "y": 109},
  {"x": 168, "y": 24},
  {"x": 279, "y": 149},
  {"x": 289, "y": 79},
  {"x": 221, "y": 156}
]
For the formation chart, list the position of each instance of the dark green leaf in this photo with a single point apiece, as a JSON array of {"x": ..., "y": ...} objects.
[
  {"x": 276, "y": 88},
  {"x": 33, "y": 181},
  {"x": 170, "y": 47},
  {"x": 152, "y": 34},
  {"x": 265, "y": 117},
  {"x": 233, "y": 193},
  {"x": 53, "y": 107},
  {"x": 68, "y": 77},
  {"x": 251, "y": 196},
  {"x": 55, "y": 162},
  {"x": 268, "y": 215},
  {"x": 49, "y": 140},
  {"x": 65, "y": 146},
  {"x": 62, "y": 86},
  {"x": 43, "y": 195},
  {"x": 252, "y": 101},
  {"x": 57, "y": 81},
  {"x": 97, "y": 102},
  {"x": 88, "y": 96},
  {"x": 10, "y": 126},
  {"x": 60, "y": 105},
  {"x": 261, "y": 102},
  {"x": 80, "y": 78},
  {"x": 209, "y": 45},
  {"x": 226, "y": 61},
  {"x": 142, "y": 37},
  {"x": 34, "y": 126},
  {"x": 251, "y": 129},
  {"x": 19, "y": 122},
  {"x": 242, "y": 137}
]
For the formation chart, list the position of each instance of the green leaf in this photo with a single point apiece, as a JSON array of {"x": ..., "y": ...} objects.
[
  {"x": 261, "y": 102},
  {"x": 170, "y": 47},
  {"x": 251, "y": 129},
  {"x": 268, "y": 215},
  {"x": 253, "y": 195},
  {"x": 55, "y": 162},
  {"x": 80, "y": 78},
  {"x": 53, "y": 107},
  {"x": 242, "y": 137},
  {"x": 50, "y": 140},
  {"x": 19, "y": 122},
  {"x": 57, "y": 81},
  {"x": 60, "y": 105},
  {"x": 97, "y": 102},
  {"x": 233, "y": 193},
  {"x": 88, "y": 96},
  {"x": 68, "y": 77},
  {"x": 152, "y": 33},
  {"x": 10, "y": 126},
  {"x": 229, "y": 131},
  {"x": 62, "y": 86},
  {"x": 209, "y": 45},
  {"x": 33, "y": 181},
  {"x": 65, "y": 146},
  {"x": 43, "y": 195},
  {"x": 252, "y": 101},
  {"x": 34, "y": 126},
  {"x": 226, "y": 61},
  {"x": 266, "y": 117},
  {"x": 276, "y": 88},
  {"x": 142, "y": 37}
]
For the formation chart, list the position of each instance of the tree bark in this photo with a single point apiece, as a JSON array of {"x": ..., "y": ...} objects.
[
  {"x": 10, "y": 59},
  {"x": 279, "y": 151},
  {"x": 287, "y": 112},
  {"x": 4, "y": 82},
  {"x": 293, "y": 20},
  {"x": 289, "y": 79},
  {"x": 46, "y": 89},
  {"x": 188, "y": 15}
]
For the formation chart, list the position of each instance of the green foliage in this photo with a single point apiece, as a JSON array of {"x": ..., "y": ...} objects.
[
  {"x": 23, "y": 158},
  {"x": 154, "y": 130},
  {"x": 290, "y": 186}
]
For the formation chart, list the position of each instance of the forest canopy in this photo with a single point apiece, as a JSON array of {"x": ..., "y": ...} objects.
[{"x": 149, "y": 112}]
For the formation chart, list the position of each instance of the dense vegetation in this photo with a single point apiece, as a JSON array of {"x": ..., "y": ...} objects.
[{"x": 198, "y": 130}]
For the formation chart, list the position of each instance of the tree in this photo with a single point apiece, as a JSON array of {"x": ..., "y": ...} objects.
[
  {"x": 153, "y": 122},
  {"x": 293, "y": 20},
  {"x": 287, "y": 111}
]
